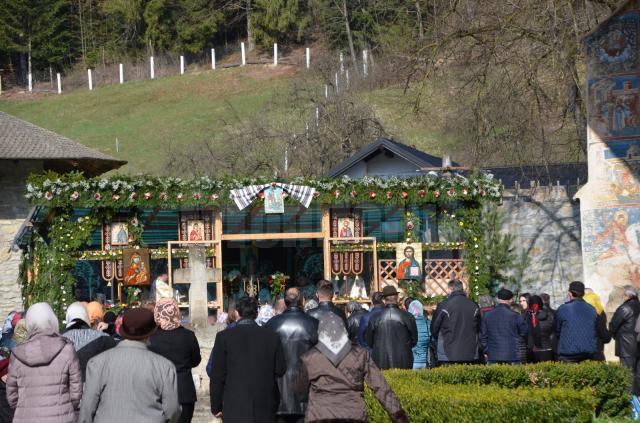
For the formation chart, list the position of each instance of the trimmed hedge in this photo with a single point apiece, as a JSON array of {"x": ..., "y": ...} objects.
[
  {"x": 608, "y": 383},
  {"x": 425, "y": 402}
]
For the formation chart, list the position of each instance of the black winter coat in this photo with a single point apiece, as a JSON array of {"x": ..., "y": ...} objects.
[
  {"x": 392, "y": 334},
  {"x": 456, "y": 326},
  {"x": 246, "y": 363},
  {"x": 88, "y": 343},
  {"x": 542, "y": 336},
  {"x": 298, "y": 333},
  {"x": 353, "y": 324},
  {"x": 327, "y": 307},
  {"x": 622, "y": 328},
  {"x": 180, "y": 346}
]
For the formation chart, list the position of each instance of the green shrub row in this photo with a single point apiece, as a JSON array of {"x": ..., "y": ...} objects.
[
  {"x": 425, "y": 402},
  {"x": 609, "y": 383}
]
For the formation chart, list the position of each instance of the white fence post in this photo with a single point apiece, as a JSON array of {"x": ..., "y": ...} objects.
[
  {"x": 337, "y": 82},
  {"x": 121, "y": 73},
  {"x": 152, "y": 71},
  {"x": 341, "y": 63},
  {"x": 346, "y": 75},
  {"x": 275, "y": 54},
  {"x": 59, "y": 83},
  {"x": 365, "y": 70},
  {"x": 326, "y": 91},
  {"x": 213, "y": 58},
  {"x": 89, "y": 76},
  {"x": 244, "y": 59},
  {"x": 181, "y": 65},
  {"x": 308, "y": 57},
  {"x": 30, "y": 81}
]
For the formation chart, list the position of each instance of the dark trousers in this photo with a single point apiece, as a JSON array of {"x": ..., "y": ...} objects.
[
  {"x": 575, "y": 358},
  {"x": 543, "y": 355},
  {"x": 187, "y": 412},
  {"x": 290, "y": 418},
  {"x": 631, "y": 363}
]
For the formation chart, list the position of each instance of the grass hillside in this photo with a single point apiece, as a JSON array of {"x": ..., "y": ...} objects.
[{"x": 149, "y": 116}]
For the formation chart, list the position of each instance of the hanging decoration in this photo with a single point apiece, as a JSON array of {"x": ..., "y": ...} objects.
[
  {"x": 346, "y": 225},
  {"x": 246, "y": 195},
  {"x": 124, "y": 192}
]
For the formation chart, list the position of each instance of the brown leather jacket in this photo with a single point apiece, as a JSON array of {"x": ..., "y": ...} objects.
[{"x": 337, "y": 393}]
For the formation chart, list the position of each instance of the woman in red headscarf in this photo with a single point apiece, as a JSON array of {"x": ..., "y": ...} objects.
[{"x": 541, "y": 340}]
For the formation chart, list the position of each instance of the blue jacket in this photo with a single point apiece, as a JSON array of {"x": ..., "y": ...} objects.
[
  {"x": 420, "y": 351},
  {"x": 576, "y": 328},
  {"x": 500, "y": 332},
  {"x": 364, "y": 322}
]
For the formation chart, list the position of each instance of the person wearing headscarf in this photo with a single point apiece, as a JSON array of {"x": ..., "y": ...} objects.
[
  {"x": 20, "y": 332},
  {"x": 44, "y": 383},
  {"x": 180, "y": 346},
  {"x": 602, "y": 333},
  {"x": 421, "y": 350},
  {"x": 94, "y": 310},
  {"x": 87, "y": 342},
  {"x": 265, "y": 313},
  {"x": 334, "y": 372},
  {"x": 541, "y": 338}
]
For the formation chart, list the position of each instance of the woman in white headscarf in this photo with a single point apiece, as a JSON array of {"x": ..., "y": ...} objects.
[
  {"x": 44, "y": 382},
  {"x": 334, "y": 371},
  {"x": 87, "y": 342}
]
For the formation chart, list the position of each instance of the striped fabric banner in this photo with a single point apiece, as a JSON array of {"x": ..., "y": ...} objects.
[{"x": 246, "y": 195}]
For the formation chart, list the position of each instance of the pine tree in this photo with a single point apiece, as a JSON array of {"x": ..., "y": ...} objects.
[{"x": 280, "y": 21}]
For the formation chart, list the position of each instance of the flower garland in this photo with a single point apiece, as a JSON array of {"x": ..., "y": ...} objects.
[
  {"x": 277, "y": 283},
  {"x": 411, "y": 227},
  {"x": 73, "y": 190},
  {"x": 156, "y": 253},
  {"x": 392, "y": 246}
]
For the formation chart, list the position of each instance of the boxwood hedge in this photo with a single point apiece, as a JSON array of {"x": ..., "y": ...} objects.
[
  {"x": 518, "y": 389},
  {"x": 426, "y": 402}
]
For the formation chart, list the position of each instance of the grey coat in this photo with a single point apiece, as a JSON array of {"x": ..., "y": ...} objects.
[
  {"x": 44, "y": 384},
  {"x": 129, "y": 383}
]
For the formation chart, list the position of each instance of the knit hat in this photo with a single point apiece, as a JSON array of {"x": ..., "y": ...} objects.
[
  {"x": 577, "y": 287},
  {"x": 137, "y": 324},
  {"x": 505, "y": 295},
  {"x": 94, "y": 309},
  {"x": 167, "y": 314}
]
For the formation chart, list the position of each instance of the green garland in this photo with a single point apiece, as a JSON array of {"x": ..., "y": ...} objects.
[
  {"x": 124, "y": 192},
  {"x": 48, "y": 265}
]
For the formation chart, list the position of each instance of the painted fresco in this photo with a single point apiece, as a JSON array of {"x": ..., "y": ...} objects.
[
  {"x": 613, "y": 49},
  {"x": 611, "y": 249},
  {"x": 610, "y": 202},
  {"x": 614, "y": 173},
  {"x": 614, "y": 106}
]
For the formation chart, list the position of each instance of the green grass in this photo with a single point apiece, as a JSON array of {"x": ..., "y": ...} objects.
[{"x": 147, "y": 117}]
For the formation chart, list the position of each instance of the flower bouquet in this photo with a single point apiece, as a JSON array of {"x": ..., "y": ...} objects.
[{"x": 277, "y": 283}]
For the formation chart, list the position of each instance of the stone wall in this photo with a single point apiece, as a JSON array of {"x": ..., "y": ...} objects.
[
  {"x": 13, "y": 210},
  {"x": 545, "y": 222}
]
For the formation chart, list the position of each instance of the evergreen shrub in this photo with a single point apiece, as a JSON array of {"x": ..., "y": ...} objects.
[
  {"x": 489, "y": 386},
  {"x": 433, "y": 402}
]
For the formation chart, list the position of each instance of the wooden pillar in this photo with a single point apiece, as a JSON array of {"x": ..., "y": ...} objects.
[
  {"x": 326, "y": 234},
  {"x": 376, "y": 276},
  {"x": 217, "y": 235}
]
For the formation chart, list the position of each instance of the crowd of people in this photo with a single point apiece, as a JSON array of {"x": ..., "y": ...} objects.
[{"x": 295, "y": 361}]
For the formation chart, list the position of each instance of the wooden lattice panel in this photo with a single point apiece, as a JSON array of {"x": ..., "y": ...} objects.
[
  {"x": 439, "y": 272},
  {"x": 387, "y": 272}
]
